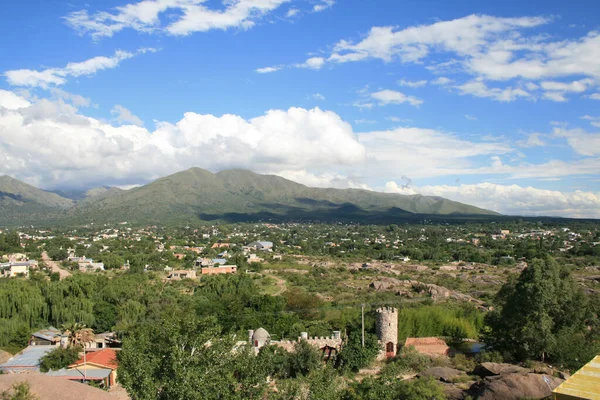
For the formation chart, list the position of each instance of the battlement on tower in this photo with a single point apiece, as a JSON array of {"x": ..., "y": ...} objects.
[{"x": 387, "y": 310}]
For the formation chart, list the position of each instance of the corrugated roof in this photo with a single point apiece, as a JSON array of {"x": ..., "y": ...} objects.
[
  {"x": 584, "y": 384},
  {"x": 81, "y": 373},
  {"x": 29, "y": 358}
]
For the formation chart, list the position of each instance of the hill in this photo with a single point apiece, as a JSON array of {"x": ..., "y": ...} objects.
[{"x": 233, "y": 196}]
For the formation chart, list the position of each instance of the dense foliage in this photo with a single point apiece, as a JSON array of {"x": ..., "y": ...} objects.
[
  {"x": 59, "y": 358},
  {"x": 543, "y": 315}
]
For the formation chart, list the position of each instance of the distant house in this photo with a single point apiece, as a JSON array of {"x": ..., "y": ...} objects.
[
  {"x": 182, "y": 274},
  {"x": 220, "y": 261},
  {"x": 221, "y": 269},
  {"x": 27, "y": 361},
  {"x": 430, "y": 346},
  {"x": 264, "y": 246},
  {"x": 45, "y": 337},
  {"x": 100, "y": 361},
  {"x": 16, "y": 269},
  {"x": 253, "y": 258},
  {"x": 204, "y": 262}
]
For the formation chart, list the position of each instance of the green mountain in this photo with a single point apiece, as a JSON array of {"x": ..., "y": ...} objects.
[
  {"x": 239, "y": 195},
  {"x": 22, "y": 203}
]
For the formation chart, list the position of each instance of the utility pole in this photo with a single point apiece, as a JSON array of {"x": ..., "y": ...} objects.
[{"x": 363, "y": 324}]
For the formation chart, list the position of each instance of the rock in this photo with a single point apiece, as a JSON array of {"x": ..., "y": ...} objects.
[
  {"x": 379, "y": 285},
  {"x": 443, "y": 374},
  {"x": 515, "y": 386},
  {"x": 563, "y": 375},
  {"x": 448, "y": 268},
  {"x": 453, "y": 392},
  {"x": 492, "y": 369}
]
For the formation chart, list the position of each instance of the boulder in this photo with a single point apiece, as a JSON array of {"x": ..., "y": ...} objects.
[
  {"x": 453, "y": 392},
  {"x": 515, "y": 386},
  {"x": 492, "y": 369},
  {"x": 443, "y": 374}
]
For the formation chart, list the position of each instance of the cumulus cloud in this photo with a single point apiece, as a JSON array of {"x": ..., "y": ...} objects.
[
  {"x": 73, "y": 149},
  {"x": 485, "y": 48},
  {"x": 267, "y": 70},
  {"x": 124, "y": 116},
  {"x": 385, "y": 97},
  {"x": 58, "y": 76},
  {"x": 412, "y": 84},
  {"x": 512, "y": 199},
  {"x": 324, "y": 5},
  {"x": 187, "y": 17},
  {"x": 582, "y": 142},
  {"x": 312, "y": 63}
]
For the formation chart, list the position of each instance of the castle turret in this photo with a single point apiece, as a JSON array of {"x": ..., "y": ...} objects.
[{"x": 387, "y": 329}]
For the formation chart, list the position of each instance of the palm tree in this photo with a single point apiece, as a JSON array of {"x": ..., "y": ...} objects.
[{"x": 78, "y": 334}]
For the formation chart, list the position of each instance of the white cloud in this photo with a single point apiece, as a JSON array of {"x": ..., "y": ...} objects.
[
  {"x": 364, "y": 121},
  {"x": 512, "y": 199},
  {"x": 312, "y": 63},
  {"x": 324, "y": 5},
  {"x": 58, "y": 76},
  {"x": 412, "y": 84},
  {"x": 533, "y": 140},
  {"x": 595, "y": 121},
  {"x": 582, "y": 142},
  {"x": 480, "y": 89},
  {"x": 292, "y": 12},
  {"x": 267, "y": 70},
  {"x": 318, "y": 96},
  {"x": 75, "y": 149},
  {"x": 75, "y": 99},
  {"x": 187, "y": 16},
  {"x": 470, "y": 117},
  {"x": 595, "y": 96},
  {"x": 324, "y": 180},
  {"x": 124, "y": 116},
  {"x": 442, "y": 81},
  {"x": 385, "y": 97},
  {"x": 555, "y": 96}
]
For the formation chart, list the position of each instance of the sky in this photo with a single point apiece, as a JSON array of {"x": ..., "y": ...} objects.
[{"x": 491, "y": 103}]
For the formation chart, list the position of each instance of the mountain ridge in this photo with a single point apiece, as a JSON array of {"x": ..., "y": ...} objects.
[{"x": 232, "y": 195}]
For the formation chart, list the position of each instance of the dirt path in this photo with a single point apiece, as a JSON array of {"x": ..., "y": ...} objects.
[
  {"x": 280, "y": 283},
  {"x": 54, "y": 266}
]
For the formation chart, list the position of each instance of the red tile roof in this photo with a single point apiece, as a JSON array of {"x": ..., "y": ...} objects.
[{"x": 105, "y": 357}]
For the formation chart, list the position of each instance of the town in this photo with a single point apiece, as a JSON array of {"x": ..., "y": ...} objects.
[{"x": 365, "y": 303}]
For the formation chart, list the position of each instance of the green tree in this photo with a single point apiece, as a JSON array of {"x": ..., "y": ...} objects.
[
  {"x": 354, "y": 356},
  {"x": 304, "y": 359},
  {"x": 185, "y": 357},
  {"x": 59, "y": 358},
  {"x": 532, "y": 311}
]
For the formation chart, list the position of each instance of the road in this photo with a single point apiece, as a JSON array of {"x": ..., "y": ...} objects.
[
  {"x": 55, "y": 266},
  {"x": 280, "y": 283}
]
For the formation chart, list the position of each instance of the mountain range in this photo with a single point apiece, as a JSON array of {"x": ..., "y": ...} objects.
[{"x": 198, "y": 195}]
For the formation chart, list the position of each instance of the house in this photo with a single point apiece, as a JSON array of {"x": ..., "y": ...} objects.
[
  {"x": 253, "y": 258},
  {"x": 220, "y": 269},
  {"x": 101, "y": 360},
  {"x": 264, "y": 246},
  {"x": 46, "y": 337},
  {"x": 182, "y": 274},
  {"x": 221, "y": 261},
  {"x": 88, "y": 265},
  {"x": 26, "y": 361},
  {"x": 430, "y": 346},
  {"x": 15, "y": 269},
  {"x": 104, "y": 340},
  {"x": 204, "y": 262}
]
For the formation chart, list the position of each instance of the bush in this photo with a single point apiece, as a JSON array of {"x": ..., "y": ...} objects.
[
  {"x": 59, "y": 358},
  {"x": 410, "y": 360},
  {"x": 489, "y": 356},
  {"x": 464, "y": 363}
]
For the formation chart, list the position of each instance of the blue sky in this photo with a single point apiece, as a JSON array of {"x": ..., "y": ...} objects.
[{"x": 493, "y": 103}]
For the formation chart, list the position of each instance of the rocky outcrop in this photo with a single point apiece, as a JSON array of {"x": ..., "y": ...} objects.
[
  {"x": 515, "y": 386},
  {"x": 443, "y": 374},
  {"x": 492, "y": 369}
]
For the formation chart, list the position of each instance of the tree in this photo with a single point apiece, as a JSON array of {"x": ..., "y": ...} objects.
[
  {"x": 304, "y": 359},
  {"x": 181, "y": 356},
  {"x": 354, "y": 356},
  {"x": 78, "y": 334},
  {"x": 532, "y": 311},
  {"x": 59, "y": 358}
]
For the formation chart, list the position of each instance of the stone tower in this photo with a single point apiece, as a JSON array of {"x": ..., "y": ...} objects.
[{"x": 387, "y": 329}]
